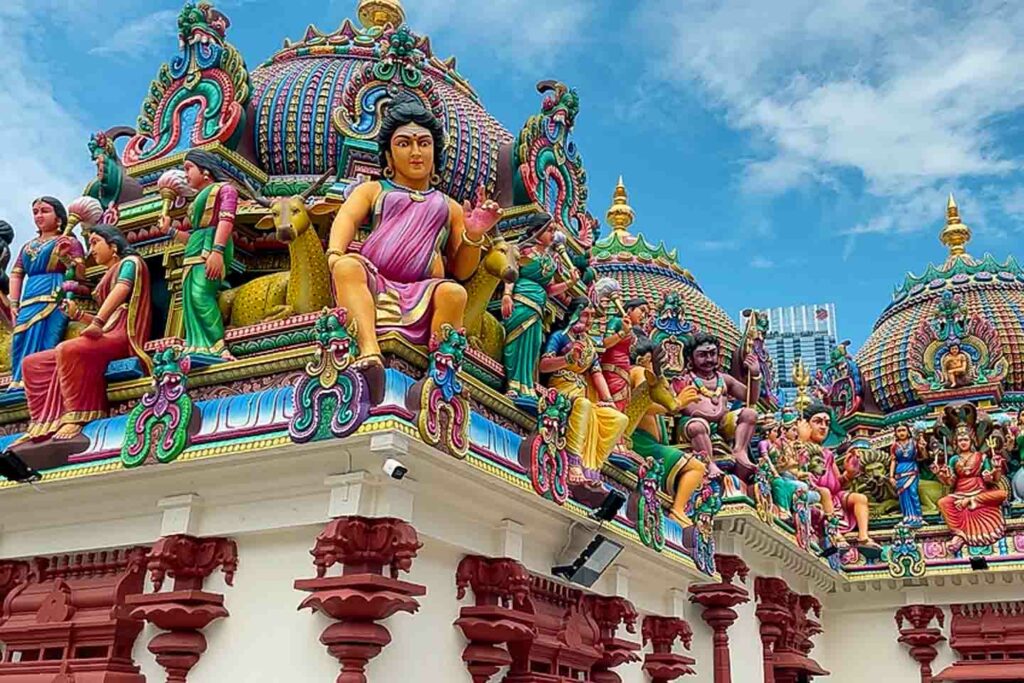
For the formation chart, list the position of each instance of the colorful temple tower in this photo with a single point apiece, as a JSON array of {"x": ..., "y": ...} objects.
[{"x": 329, "y": 336}]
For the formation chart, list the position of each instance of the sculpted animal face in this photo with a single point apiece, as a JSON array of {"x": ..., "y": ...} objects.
[
  {"x": 502, "y": 261},
  {"x": 290, "y": 217}
]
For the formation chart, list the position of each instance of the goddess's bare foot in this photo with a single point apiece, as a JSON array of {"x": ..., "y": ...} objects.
[{"x": 68, "y": 431}]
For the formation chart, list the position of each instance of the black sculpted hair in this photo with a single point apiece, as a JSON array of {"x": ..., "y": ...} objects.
[
  {"x": 207, "y": 162},
  {"x": 645, "y": 345},
  {"x": 816, "y": 408},
  {"x": 406, "y": 108},
  {"x": 58, "y": 208},
  {"x": 700, "y": 339},
  {"x": 114, "y": 237},
  {"x": 634, "y": 303}
]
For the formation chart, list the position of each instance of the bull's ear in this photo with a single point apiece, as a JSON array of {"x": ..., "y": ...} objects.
[
  {"x": 323, "y": 209},
  {"x": 265, "y": 223}
]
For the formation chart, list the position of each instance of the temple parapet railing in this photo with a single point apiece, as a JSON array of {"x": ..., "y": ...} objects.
[{"x": 249, "y": 404}]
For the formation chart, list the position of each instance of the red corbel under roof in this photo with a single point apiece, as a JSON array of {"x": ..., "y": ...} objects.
[{"x": 989, "y": 637}]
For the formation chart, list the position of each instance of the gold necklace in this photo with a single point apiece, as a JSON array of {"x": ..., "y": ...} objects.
[{"x": 712, "y": 394}]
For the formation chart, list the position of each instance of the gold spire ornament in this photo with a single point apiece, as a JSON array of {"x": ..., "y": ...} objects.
[
  {"x": 802, "y": 379},
  {"x": 955, "y": 235},
  {"x": 620, "y": 216},
  {"x": 381, "y": 13}
]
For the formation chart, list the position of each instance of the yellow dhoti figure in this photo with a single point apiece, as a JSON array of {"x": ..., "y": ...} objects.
[{"x": 595, "y": 426}]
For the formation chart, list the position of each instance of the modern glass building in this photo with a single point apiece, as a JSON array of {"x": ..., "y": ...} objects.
[{"x": 807, "y": 333}]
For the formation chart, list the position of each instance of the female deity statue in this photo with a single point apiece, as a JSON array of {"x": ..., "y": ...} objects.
[
  {"x": 523, "y": 306},
  {"x": 904, "y": 473},
  {"x": 619, "y": 342},
  {"x": 397, "y": 280},
  {"x": 209, "y": 251},
  {"x": 973, "y": 510},
  {"x": 36, "y": 280},
  {"x": 825, "y": 476},
  {"x": 780, "y": 448},
  {"x": 1016, "y": 464},
  {"x": 65, "y": 386},
  {"x": 595, "y": 426}
]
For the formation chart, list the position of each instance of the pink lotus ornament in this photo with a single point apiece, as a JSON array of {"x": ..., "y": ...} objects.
[
  {"x": 85, "y": 210},
  {"x": 172, "y": 185}
]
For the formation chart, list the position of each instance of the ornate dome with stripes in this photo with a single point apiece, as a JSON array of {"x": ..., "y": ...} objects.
[
  {"x": 649, "y": 271},
  {"x": 984, "y": 289},
  {"x": 317, "y": 102}
]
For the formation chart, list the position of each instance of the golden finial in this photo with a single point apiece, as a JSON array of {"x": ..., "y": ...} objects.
[
  {"x": 620, "y": 216},
  {"x": 802, "y": 379},
  {"x": 955, "y": 235},
  {"x": 380, "y": 13}
]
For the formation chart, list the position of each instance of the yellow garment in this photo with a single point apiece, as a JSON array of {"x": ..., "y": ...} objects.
[{"x": 593, "y": 430}]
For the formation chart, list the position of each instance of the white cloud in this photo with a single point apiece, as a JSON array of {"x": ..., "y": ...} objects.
[
  {"x": 895, "y": 97},
  {"x": 140, "y": 36},
  {"x": 524, "y": 34},
  {"x": 761, "y": 262},
  {"x": 716, "y": 245},
  {"x": 42, "y": 144}
]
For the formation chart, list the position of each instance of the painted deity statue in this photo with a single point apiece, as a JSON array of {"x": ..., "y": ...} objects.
[
  {"x": 956, "y": 368},
  {"x": 524, "y": 305},
  {"x": 711, "y": 414},
  {"x": 682, "y": 471},
  {"x": 6, "y": 318},
  {"x": 572, "y": 360},
  {"x": 851, "y": 507},
  {"x": 1016, "y": 473},
  {"x": 36, "y": 280},
  {"x": 905, "y": 475},
  {"x": 209, "y": 252},
  {"x": 779, "y": 447},
  {"x": 619, "y": 341},
  {"x": 420, "y": 236},
  {"x": 973, "y": 510},
  {"x": 66, "y": 386}
]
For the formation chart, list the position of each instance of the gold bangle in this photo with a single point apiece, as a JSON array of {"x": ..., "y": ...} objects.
[
  {"x": 478, "y": 244},
  {"x": 334, "y": 252}
]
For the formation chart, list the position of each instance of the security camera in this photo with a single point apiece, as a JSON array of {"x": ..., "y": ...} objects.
[{"x": 394, "y": 469}]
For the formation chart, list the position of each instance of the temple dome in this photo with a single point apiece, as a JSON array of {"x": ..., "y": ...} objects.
[
  {"x": 649, "y": 271},
  {"x": 986, "y": 288},
  {"x": 316, "y": 102}
]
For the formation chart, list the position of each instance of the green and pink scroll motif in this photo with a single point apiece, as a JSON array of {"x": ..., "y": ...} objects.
[
  {"x": 650, "y": 515},
  {"x": 544, "y": 453},
  {"x": 548, "y": 168},
  {"x": 199, "y": 97},
  {"x": 333, "y": 399},
  {"x": 164, "y": 420},
  {"x": 706, "y": 503},
  {"x": 801, "y": 510},
  {"x": 439, "y": 401},
  {"x": 903, "y": 556}
]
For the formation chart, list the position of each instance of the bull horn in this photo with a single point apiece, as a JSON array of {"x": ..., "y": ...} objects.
[
  {"x": 260, "y": 199},
  {"x": 316, "y": 185}
]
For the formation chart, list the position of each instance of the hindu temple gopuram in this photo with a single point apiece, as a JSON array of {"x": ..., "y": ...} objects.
[{"x": 330, "y": 375}]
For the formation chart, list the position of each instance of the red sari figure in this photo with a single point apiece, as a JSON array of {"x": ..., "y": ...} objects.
[
  {"x": 66, "y": 386},
  {"x": 973, "y": 511},
  {"x": 616, "y": 361}
]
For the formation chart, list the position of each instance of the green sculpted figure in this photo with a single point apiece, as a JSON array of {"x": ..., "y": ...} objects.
[{"x": 209, "y": 251}]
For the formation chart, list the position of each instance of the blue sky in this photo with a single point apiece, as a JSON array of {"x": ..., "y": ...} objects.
[{"x": 793, "y": 151}]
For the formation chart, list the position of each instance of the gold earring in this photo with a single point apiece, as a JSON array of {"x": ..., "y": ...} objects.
[
  {"x": 435, "y": 180},
  {"x": 389, "y": 172}
]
